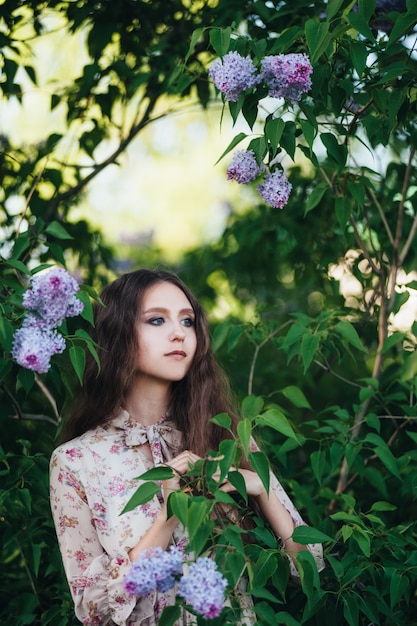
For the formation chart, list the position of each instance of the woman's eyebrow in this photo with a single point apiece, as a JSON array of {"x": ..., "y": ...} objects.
[{"x": 159, "y": 309}]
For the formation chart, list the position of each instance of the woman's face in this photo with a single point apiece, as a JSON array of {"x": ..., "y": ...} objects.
[{"x": 165, "y": 333}]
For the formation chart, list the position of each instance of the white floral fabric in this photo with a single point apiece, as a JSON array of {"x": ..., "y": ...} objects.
[{"x": 92, "y": 478}]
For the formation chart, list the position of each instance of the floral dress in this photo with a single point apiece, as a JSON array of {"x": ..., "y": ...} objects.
[{"x": 92, "y": 478}]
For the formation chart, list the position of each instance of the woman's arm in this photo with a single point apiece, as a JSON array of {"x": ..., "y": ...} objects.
[
  {"x": 160, "y": 533},
  {"x": 94, "y": 576}
]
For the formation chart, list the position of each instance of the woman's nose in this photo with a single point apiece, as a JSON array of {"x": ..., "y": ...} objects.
[{"x": 178, "y": 332}]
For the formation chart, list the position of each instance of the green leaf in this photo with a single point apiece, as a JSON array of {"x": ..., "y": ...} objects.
[
  {"x": 6, "y": 333},
  {"x": 157, "y": 473},
  {"x": 398, "y": 584},
  {"x": 142, "y": 495},
  {"x": 277, "y": 420},
  {"x": 343, "y": 208},
  {"x": 296, "y": 396},
  {"x": 361, "y": 26},
  {"x": 314, "y": 198},
  {"x": 392, "y": 341},
  {"x": 227, "y": 449},
  {"x": 87, "y": 312},
  {"x": 318, "y": 464},
  {"x": 220, "y": 40},
  {"x": 273, "y": 131},
  {"x": 384, "y": 453},
  {"x": 236, "y": 479},
  {"x": 170, "y": 615},
  {"x": 317, "y": 36},
  {"x": 307, "y": 534},
  {"x": 177, "y": 505},
  {"x": 309, "y": 132},
  {"x": 266, "y": 566},
  {"x": 223, "y": 420},
  {"x": 350, "y": 609},
  {"x": 235, "y": 141},
  {"x": 58, "y": 231},
  {"x": 260, "y": 464},
  {"x": 259, "y": 148},
  {"x": 77, "y": 356},
  {"x": 310, "y": 345},
  {"x": 252, "y": 406},
  {"x": 363, "y": 540},
  {"x": 359, "y": 54},
  {"x": 337, "y": 152},
  {"x": 348, "y": 332},
  {"x": 18, "y": 265},
  {"x": 402, "y": 25},
  {"x": 195, "y": 37},
  {"x": 383, "y": 506},
  {"x": 244, "y": 431},
  {"x": 333, "y": 6}
]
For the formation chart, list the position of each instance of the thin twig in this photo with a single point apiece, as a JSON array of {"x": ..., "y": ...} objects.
[
  {"x": 327, "y": 368},
  {"x": 362, "y": 246},
  {"x": 48, "y": 396},
  {"x": 255, "y": 354},
  {"x": 28, "y": 199},
  {"x": 381, "y": 214},
  {"x": 135, "y": 129},
  {"x": 12, "y": 399},
  {"x": 35, "y": 417}
]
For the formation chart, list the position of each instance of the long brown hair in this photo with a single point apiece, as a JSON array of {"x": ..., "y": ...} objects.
[{"x": 203, "y": 393}]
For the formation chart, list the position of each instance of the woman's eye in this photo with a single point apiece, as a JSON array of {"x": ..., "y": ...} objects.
[
  {"x": 188, "y": 321},
  {"x": 156, "y": 321}
]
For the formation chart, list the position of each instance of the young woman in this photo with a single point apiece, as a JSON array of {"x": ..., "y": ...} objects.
[{"x": 150, "y": 403}]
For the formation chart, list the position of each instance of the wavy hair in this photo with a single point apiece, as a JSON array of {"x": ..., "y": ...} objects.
[{"x": 203, "y": 393}]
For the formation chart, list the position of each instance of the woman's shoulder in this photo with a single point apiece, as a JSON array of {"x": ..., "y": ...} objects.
[{"x": 77, "y": 447}]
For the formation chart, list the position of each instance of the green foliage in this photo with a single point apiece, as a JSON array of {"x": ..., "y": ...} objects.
[{"x": 326, "y": 380}]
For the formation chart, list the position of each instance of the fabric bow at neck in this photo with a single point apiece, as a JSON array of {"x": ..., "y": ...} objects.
[{"x": 163, "y": 439}]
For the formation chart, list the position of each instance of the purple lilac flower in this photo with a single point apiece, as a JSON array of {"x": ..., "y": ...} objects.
[
  {"x": 52, "y": 296},
  {"x": 287, "y": 75},
  {"x": 233, "y": 74},
  {"x": 35, "y": 343},
  {"x": 275, "y": 189},
  {"x": 203, "y": 588},
  {"x": 154, "y": 569},
  {"x": 244, "y": 167}
]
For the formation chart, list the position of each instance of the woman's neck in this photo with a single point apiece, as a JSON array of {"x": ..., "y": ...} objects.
[{"x": 147, "y": 403}]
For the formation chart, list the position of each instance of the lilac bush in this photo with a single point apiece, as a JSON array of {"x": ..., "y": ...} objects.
[
  {"x": 233, "y": 74},
  {"x": 244, "y": 167},
  {"x": 287, "y": 76}
]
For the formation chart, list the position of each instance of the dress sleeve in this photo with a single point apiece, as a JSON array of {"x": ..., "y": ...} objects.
[
  {"x": 315, "y": 549},
  {"x": 94, "y": 576}
]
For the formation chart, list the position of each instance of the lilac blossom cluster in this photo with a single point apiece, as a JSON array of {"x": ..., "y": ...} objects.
[
  {"x": 244, "y": 167},
  {"x": 203, "y": 588},
  {"x": 50, "y": 299},
  {"x": 154, "y": 569},
  {"x": 285, "y": 75},
  {"x": 275, "y": 188},
  {"x": 234, "y": 75}
]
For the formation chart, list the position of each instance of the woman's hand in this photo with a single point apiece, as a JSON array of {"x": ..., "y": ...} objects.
[
  {"x": 254, "y": 486},
  {"x": 180, "y": 464}
]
